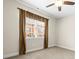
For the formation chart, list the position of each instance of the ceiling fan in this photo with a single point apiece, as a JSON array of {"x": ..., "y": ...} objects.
[{"x": 59, "y": 4}]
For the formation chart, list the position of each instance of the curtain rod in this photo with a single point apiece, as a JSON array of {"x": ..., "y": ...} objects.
[{"x": 32, "y": 13}]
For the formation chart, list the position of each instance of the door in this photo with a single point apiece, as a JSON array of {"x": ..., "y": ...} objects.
[{"x": 34, "y": 34}]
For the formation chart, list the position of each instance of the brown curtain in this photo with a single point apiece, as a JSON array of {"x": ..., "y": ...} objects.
[
  {"x": 22, "y": 44},
  {"x": 46, "y": 34}
]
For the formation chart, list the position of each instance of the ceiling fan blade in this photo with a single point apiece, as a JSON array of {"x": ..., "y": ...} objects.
[
  {"x": 50, "y": 5},
  {"x": 69, "y": 3},
  {"x": 59, "y": 8}
]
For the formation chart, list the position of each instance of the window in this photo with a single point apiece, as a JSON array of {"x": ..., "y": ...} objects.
[{"x": 34, "y": 28}]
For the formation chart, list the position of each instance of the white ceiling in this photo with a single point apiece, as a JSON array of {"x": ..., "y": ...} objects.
[{"x": 67, "y": 10}]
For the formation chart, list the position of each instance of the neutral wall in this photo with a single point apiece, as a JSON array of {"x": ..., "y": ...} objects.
[
  {"x": 11, "y": 28},
  {"x": 65, "y": 32}
]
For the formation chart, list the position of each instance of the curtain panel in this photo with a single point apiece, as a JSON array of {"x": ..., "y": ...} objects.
[
  {"x": 46, "y": 34},
  {"x": 22, "y": 42}
]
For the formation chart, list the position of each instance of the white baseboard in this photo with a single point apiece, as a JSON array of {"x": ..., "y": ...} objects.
[
  {"x": 34, "y": 50},
  {"x": 65, "y": 47},
  {"x": 51, "y": 45},
  {"x": 11, "y": 54}
]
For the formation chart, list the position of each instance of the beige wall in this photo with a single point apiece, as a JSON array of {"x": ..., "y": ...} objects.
[
  {"x": 11, "y": 27},
  {"x": 65, "y": 32}
]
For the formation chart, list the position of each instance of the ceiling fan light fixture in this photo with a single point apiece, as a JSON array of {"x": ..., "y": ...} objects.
[{"x": 59, "y": 3}]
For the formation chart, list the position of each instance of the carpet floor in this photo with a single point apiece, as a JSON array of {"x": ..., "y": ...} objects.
[{"x": 50, "y": 53}]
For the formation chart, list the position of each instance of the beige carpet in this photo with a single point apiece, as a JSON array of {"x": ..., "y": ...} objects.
[{"x": 50, "y": 53}]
